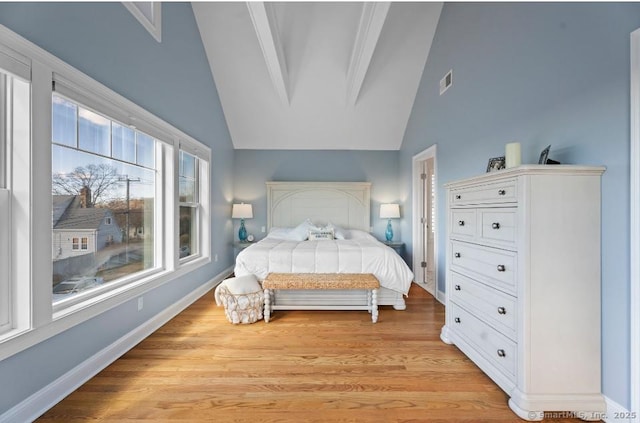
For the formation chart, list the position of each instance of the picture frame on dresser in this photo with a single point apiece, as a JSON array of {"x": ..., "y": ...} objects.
[
  {"x": 496, "y": 163},
  {"x": 544, "y": 155}
]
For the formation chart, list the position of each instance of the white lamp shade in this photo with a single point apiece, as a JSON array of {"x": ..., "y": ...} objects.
[
  {"x": 389, "y": 211},
  {"x": 242, "y": 211}
]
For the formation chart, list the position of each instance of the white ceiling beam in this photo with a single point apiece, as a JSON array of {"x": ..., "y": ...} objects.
[
  {"x": 265, "y": 25},
  {"x": 369, "y": 29}
]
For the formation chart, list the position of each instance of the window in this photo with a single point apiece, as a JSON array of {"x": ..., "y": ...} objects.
[
  {"x": 100, "y": 168},
  {"x": 14, "y": 135},
  {"x": 149, "y": 14},
  {"x": 106, "y": 172},
  {"x": 189, "y": 204}
]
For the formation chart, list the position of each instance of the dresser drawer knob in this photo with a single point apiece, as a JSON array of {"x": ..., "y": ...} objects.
[
  {"x": 495, "y": 225},
  {"x": 457, "y": 320},
  {"x": 501, "y": 192},
  {"x": 501, "y": 268},
  {"x": 501, "y": 353},
  {"x": 502, "y": 310},
  {"x": 460, "y": 222},
  {"x": 457, "y": 255},
  {"x": 457, "y": 288},
  {"x": 458, "y": 197}
]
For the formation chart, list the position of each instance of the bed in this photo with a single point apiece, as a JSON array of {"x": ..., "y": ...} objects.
[{"x": 343, "y": 207}]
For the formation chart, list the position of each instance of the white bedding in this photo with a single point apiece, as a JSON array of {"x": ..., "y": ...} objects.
[{"x": 366, "y": 255}]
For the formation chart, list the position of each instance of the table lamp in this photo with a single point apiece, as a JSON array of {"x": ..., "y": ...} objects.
[
  {"x": 389, "y": 211},
  {"x": 242, "y": 211}
]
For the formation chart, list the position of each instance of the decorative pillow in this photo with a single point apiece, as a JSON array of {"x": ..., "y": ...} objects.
[
  {"x": 338, "y": 232},
  {"x": 320, "y": 234}
]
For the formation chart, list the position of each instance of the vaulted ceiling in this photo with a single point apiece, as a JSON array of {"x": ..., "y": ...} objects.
[{"x": 316, "y": 75}]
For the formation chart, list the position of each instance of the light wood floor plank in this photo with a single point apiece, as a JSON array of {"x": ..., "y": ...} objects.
[{"x": 304, "y": 366}]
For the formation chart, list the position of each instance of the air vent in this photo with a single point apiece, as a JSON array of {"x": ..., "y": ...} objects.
[{"x": 446, "y": 82}]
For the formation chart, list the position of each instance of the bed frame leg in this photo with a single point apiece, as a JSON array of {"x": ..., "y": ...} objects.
[
  {"x": 374, "y": 305},
  {"x": 400, "y": 304}
]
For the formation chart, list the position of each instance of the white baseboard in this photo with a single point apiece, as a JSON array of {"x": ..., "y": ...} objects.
[
  {"x": 37, "y": 404},
  {"x": 618, "y": 414},
  {"x": 441, "y": 296}
]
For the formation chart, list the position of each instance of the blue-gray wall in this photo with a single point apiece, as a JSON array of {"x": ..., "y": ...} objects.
[
  {"x": 171, "y": 79},
  {"x": 254, "y": 167},
  {"x": 536, "y": 73},
  {"x": 543, "y": 73}
]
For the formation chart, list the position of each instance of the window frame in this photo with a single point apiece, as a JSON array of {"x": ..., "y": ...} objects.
[
  {"x": 36, "y": 319},
  {"x": 16, "y": 104},
  {"x": 195, "y": 204},
  {"x": 5, "y": 216}
]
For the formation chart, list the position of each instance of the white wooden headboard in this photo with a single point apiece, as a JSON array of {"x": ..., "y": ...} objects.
[{"x": 346, "y": 204}]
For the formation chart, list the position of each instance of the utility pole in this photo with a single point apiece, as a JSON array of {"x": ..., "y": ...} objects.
[{"x": 125, "y": 178}]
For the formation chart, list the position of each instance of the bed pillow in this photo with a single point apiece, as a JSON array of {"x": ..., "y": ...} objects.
[
  {"x": 301, "y": 232},
  {"x": 279, "y": 233},
  {"x": 321, "y": 234}
]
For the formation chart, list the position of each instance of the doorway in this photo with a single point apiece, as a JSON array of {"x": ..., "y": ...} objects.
[{"x": 424, "y": 220}]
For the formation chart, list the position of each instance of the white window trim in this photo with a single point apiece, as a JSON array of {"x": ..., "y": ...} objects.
[
  {"x": 31, "y": 208},
  {"x": 634, "y": 302},
  {"x": 193, "y": 204},
  {"x": 154, "y": 26},
  {"x": 5, "y": 267}
]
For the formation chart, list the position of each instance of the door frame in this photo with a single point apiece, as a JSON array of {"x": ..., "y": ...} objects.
[
  {"x": 634, "y": 318},
  {"x": 430, "y": 152}
]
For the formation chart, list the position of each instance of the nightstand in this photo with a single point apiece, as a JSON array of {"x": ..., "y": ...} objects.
[
  {"x": 239, "y": 246},
  {"x": 396, "y": 245}
]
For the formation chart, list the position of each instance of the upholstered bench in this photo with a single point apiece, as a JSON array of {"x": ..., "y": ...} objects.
[{"x": 322, "y": 281}]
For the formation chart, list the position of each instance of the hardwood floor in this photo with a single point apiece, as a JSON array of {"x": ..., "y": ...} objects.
[{"x": 303, "y": 366}]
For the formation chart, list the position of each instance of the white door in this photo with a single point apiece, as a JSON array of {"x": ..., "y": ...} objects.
[
  {"x": 425, "y": 244},
  {"x": 426, "y": 220},
  {"x": 430, "y": 216}
]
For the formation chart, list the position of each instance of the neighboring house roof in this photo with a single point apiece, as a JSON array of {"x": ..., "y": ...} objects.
[
  {"x": 59, "y": 206},
  {"x": 75, "y": 217}
]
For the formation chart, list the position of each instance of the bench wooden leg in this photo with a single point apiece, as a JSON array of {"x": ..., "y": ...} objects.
[
  {"x": 374, "y": 305},
  {"x": 267, "y": 305}
]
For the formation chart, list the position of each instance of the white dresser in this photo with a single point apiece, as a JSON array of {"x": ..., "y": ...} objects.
[{"x": 523, "y": 284}]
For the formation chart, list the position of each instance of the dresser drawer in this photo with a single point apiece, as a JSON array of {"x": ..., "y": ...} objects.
[
  {"x": 491, "y": 344},
  {"x": 491, "y": 266},
  {"x": 498, "y": 192},
  {"x": 463, "y": 223},
  {"x": 498, "y": 226},
  {"x": 494, "y": 307}
]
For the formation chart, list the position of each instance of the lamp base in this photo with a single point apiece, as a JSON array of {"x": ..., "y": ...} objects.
[
  {"x": 242, "y": 232},
  {"x": 389, "y": 232}
]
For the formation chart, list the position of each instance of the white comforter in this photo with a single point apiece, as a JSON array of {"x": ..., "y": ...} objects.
[{"x": 337, "y": 256}]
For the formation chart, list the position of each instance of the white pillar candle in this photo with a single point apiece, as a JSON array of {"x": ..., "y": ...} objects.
[{"x": 513, "y": 156}]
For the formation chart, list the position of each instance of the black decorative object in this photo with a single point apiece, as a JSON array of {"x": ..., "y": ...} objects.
[{"x": 496, "y": 163}]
